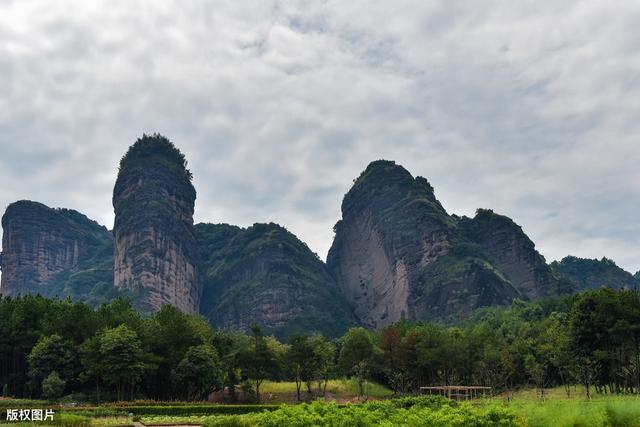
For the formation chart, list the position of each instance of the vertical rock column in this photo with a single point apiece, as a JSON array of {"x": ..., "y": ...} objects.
[{"x": 156, "y": 255}]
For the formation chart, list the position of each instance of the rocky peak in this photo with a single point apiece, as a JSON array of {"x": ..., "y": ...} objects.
[
  {"x": 392, "y": 227},
  {"x": 43, "y": 246},
  {"x": 265, "y": 274},
  {"x": 156, "y": 253},
  {"x": 397, "y": 252},
  {"x": 511, "y": 251}
]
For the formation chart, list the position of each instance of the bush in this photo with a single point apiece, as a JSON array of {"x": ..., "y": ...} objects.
[
  {"x": 69, "y": 420},
  {"x": 185, "y": 410},
  {"x": 420, "y": 412},
  {"x": 53, "y": 386}
]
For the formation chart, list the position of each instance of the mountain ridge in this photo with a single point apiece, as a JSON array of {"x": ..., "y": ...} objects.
[{"x": 397, "y": 254}]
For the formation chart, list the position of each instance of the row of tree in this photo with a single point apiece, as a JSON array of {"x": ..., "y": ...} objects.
[{"x": 50, "y": 347}]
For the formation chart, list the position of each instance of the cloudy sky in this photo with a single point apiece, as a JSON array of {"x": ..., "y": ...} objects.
[{"x": 530, "y": 108}]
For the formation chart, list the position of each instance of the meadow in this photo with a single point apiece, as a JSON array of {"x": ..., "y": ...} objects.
[{"x": 522, "y": 409}]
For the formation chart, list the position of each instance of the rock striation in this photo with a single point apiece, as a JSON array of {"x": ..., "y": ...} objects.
[
  {"x": 512, "y": 252},
  {"x": 398, "y": 254},
  {"x": 53, "y": 252},
  {"x": 156, "y": 254},
  {"x": 265, "y": 275}
]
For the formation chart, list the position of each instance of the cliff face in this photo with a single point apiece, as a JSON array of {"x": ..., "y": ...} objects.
[
  {"x": 156, "y": 254},
  {"x": 52, "y": 251},
  {"x": 265, "y": 275},
  {"x": 512, "y": 252},
  {"x": 594, "y": 273},
  {"x": 397, "y": 253}
]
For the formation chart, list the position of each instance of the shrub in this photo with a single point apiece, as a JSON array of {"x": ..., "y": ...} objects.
[{"x": 53, "y": 386}]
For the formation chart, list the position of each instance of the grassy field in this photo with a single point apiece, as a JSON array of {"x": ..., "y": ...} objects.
[
  {"x": 559, "y": 410},
  {"x": 523, "y": 408},
  {"x": 338, "y": 390}
]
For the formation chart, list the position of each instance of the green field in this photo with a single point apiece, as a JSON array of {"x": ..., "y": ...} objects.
[{"x": 521, "y": 409}]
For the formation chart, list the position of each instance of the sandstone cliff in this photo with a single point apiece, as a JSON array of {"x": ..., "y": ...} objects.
[
  {"x": 397, "y": 253},
  {"x": 156, "y": 254},
  {"x": 264, "y": 274},
  {"x": 512, "y": 252},
  {"x": 55, "y": 252}
]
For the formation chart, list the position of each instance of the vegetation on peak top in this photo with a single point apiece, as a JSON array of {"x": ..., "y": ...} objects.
[
  {"x": 156, "y": 147},
  {"x": 594, "y": 273},
  {"x": 395, "y": 196},
  {"x": 383, "y": 169},
  {"x": 486, "y": 222}
]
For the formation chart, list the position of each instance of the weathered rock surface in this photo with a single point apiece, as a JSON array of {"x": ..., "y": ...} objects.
[
  {"x": 53, "y": 252},
  {"x": 156, "y": 254},
  {"x": 594, "y": 273},
  {"x": 397, "y": 253},
  {"x": 512, "y": 252},
  {"x": 265, "y": 275}
]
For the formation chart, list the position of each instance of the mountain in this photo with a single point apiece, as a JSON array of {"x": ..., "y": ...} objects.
[
  {"x": 156, "y": 253},
  {"x": 594, "y": 273},
  {"x": 264, "y": 274},
  {"x": 397, "y": 253},
  {"x": 55, "y": 252},
  {"x": 509, "y": 249}
]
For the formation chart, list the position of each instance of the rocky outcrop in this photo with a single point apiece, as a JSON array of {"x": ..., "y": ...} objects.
[
  {"x": 397, "y": 253},
  {"x": 265, "y": 275},
  {"x": 512, "y": 252},
  {"x": 52, "y": 251},
  {"x": 594, "y": 273},
  {"x": 156, "y": 254}
]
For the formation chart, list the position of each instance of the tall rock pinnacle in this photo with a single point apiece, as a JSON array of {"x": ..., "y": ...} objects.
[{"x": 156, "y": 254}]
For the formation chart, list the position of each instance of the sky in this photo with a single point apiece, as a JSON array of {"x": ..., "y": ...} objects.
[{"x": 530, "y": 108}]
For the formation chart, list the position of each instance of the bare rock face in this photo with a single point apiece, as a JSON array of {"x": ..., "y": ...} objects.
[
  {"x": 265, "y": 275},
  {"x": 397, "y": 253},
  {"x": 51, "y": 251},
  {"x": 512, "y": 252},
  {"x": 156, "y": 254}
]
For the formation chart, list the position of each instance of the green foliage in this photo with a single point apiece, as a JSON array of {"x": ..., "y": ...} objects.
[
  {"x": 594, "y": 273},
  {"x": 52, "y": 386},
  {"x": 51, "y": 354},
  {"x": 70, "y": 420},
  {"x": 122, "y": 357},
  {"x": 198, "y": 373},
  {"x": 259, "y": 360},
  {"x": 246, "y": 266},
  {"x": 357, "y": 356},
  {"x": 158, "y": 148},
  {"x": 373, "y": 414},
  {"x": 198, "y": 410}
]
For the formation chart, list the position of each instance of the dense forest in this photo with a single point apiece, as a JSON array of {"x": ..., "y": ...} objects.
[{"x": 52, "y": 348}]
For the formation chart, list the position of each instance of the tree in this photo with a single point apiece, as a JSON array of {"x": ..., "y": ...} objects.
[
  {"x": 91, "y": 359},
  {"x": 171, "y": 334},
  {"x": 52, "y": 386},
  {"x": 52, "y": 353},
  {"x": 199, "y": 373},
  {"x": 258, "y": 360},
  {"x": 122, "y": 358},
  {"x": 324, "y": 353},
  {"x": 357, "y": 356},
  {"x": 300, "y": 359},
  {"x": 394, "y": 359}
]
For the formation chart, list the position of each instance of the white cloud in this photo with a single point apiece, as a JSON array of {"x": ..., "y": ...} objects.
[{"x": 529, "y": 108}]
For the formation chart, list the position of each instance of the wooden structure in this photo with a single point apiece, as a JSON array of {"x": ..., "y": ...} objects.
[{"x": 457, "y": 392}]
